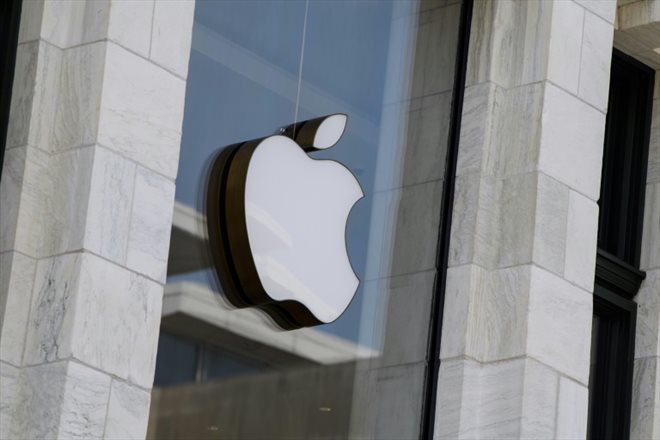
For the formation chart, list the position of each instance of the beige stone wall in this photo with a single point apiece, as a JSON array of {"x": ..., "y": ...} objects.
[{"x": 87, "y": 194}]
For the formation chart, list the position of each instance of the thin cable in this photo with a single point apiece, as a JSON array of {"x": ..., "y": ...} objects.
[{"x": 300, "y": 67}]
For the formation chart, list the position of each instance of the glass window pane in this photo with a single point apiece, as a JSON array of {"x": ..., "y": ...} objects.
[
  {"x": 255, "y": 68},
  {"x": 176, "y": 362},
  {"x": 219, "y": 364}
]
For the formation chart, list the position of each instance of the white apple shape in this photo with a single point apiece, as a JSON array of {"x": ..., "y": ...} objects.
[{"x": 296, "y": 209}]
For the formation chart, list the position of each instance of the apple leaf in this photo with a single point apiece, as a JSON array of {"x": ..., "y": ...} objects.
[{"x": 330, "y": 131}]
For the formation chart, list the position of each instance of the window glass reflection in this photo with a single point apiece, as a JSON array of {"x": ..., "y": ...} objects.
[
  {"x": 177, "y": 361},
  {"x": 256, "y": 67}
]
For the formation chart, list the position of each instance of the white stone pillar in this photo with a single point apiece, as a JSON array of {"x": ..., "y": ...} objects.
[
  {"x": 645, "y": 420},
  {"x": 518, "y": 307},
  {"x": 87, "y": 197}
]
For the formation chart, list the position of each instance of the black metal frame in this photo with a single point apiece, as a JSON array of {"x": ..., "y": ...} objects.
[
  {"x": 624, "y": 168},
  {"x": 442, "y": 259},
  {"x": 611, "y": 396},
  {"x": 618, "y": 278},
  {"x": 10, "y": 17},
  {"x": 617, "y": 275}
]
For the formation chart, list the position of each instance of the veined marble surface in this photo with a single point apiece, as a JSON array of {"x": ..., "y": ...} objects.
[
  {"x": 71, "y": 292},
  {"x": 93, "y": 144}
]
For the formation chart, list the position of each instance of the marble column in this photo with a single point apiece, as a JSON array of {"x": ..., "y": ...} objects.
[
  {"x": 87, "y": 197},
  {"x": 518, "y": 307}
]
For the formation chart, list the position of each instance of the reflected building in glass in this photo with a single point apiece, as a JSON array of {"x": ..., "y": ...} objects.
[{"x": 298, "y": 61}]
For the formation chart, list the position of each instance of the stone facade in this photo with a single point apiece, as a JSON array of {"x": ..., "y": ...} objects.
[
  {"x": 517, "y": 328},
  {"x": 87, "y": 196},
  {"x": 88, "y": 189}
]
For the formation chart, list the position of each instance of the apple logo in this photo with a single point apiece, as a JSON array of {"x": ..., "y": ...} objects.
[{"x": 277, "y": 224}]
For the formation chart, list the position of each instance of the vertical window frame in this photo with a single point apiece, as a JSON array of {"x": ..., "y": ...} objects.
[
  {"x": 618, "y": 276},
  {"x": 613, "y": 383},
  {"x": 629, "y": 211},
  {"x": 10, "y": 18}
]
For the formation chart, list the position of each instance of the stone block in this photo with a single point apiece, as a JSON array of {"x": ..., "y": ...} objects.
[
  {"x": 572, "y": 409},
  {"x": 513, "y": 242},
  {"x": 550, "y": 225},
  {"x": 31, "y": 17},
  {"x": 128, "y": 412},
  {"x": 559, "y": 324},
  {"x": 605, "y": 9},
  {"x": 55, "y": 188},
  {"x": 34, "y": 96},
  {"x": 485, "y": 313},
  {"x": 539, "y": 401},
  {"x": 513, "y": 398},
  {"x": 68, "y": 23},
  {"x": 130, "y": 24},
  {"x": 500, "y": 400},
  {"x": 141, "y": 111},
  {"x": 581, "y": 237},
  {"x": 520, "y": 50},
  {"x": 475, "y": 127},
  {"x": 653, "y": 171},
  {"x": 650, "y": 255},
  {"x": 22, "y": 96},
  {"x": 565, "y": 45},
  {"x": 62, "y": 400},
  {"x": 509, "y": 46},
  {"x": 13, "y": 170},
  {"x": 482, "y": 42},
  {"x": 78, "y": 102},
  {"x": 171, "y": 35},
  {"x": 644, "y": 418},
  {"x": 16, "y": 279},
  {"x": 497, "y": 318},
  {"x": 39, "y": 186},
  {"x": 647, "y": 335},
  {"x": 512, "y": 148},
  {"x": 457, "y": 411},
  {"x": 51, "y": 324},
  {"x": 9, "y": 392},
  {"x": 109, "y": 209},
  {"x": 461, "y": 281},
  {"x": 484, "y": 231},
  {"x": 571, "y": 147},
  {"x": 596, "y": 61},
  {"x": 150, "y": 224},
  {"x": 476, "y": 225},
  {"x": 464, "y": 219},
  {"x": 71, "y": 292}
]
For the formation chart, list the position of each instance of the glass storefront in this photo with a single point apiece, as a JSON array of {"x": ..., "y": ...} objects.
[{"x": 259, "y": 66}]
